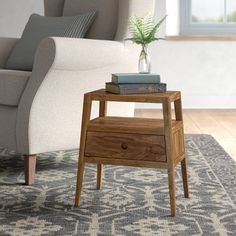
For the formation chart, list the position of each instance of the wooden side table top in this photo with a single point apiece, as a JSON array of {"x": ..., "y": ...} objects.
[{"x": 102, "y": 95}]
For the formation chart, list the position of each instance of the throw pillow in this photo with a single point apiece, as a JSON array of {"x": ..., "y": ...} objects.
[{"x": 40, "y": 27}]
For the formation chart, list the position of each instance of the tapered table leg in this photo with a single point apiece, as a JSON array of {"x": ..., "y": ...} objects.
[
  {"x": 86, "y": 117},
  {"x": 79, "y": 183},
  {"x": 171, "y": 179},
  {"x": 185, "y": 177},
  {"x": 99, "y": 176},
  {"x": 102, "y": 113},
  {"x": 179, "y": 117},
  {"x": 169, "y": 152}
]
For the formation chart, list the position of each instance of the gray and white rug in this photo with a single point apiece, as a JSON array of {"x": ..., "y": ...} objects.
[{"x": 133, "y": 201}]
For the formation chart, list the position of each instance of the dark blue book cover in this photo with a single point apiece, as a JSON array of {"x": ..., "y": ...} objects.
[{"x": 126, "y": 88}]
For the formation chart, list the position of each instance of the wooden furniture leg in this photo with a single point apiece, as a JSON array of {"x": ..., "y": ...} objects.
[
  {"x": 30, "y": 166},
  {"x": 102, "y": 113},
  {"x": 185, "y": 177},
  {"x": 171, "y": 180},
  {"x": 86, "y": 117},
  {"x": 99, "y": 176},
  {"x": 79, "y": 185},
  {"x": 179, "y": 117},
  {"x": 169, "y": 152}
]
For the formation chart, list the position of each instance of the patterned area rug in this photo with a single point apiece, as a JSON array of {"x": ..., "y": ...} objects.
[{"x": 133, "y": 201}]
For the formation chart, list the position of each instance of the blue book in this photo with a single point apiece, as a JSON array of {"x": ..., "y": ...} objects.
[
  {"x": 125, "y": 88},
  {"x": 130, "y": 78}
]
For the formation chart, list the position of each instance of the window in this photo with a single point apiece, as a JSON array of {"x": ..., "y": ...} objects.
[{"x": 208, "y": 17}]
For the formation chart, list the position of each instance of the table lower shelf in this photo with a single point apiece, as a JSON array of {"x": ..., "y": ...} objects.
[{"x": 131, "y": 125}]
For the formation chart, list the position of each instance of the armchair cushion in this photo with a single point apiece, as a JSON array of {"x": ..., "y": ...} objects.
[
  {"x": 38, "y": 28},
  {"x": 12, "y": 84}
]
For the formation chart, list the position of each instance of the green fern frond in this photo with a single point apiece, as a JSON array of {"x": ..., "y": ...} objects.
[{"x": 143, "y": 29}]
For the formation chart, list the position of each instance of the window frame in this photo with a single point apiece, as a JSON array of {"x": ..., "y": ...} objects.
[{"x": 189, "y": 28}]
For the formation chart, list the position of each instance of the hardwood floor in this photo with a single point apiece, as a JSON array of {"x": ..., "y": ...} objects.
[{"x": 221, "y": 124}]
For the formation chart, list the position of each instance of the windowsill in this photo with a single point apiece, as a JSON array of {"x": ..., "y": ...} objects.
[{"x": 201, "y": 38}]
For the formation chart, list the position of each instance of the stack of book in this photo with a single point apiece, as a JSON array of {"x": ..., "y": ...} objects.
[{"x": 133, "y": 83}]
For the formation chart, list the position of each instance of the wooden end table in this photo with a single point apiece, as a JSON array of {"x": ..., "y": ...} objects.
[{"x": 139, "y": 142}]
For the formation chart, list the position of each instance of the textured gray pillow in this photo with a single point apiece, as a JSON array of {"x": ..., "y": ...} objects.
[{"x": 40, "y": 27}]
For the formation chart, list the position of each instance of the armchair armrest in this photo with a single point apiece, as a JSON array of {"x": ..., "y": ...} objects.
[
  {"x": 6, "y": 46},
  {"x": 50, "y": 109},
  {"x": 84, "y": 54}
]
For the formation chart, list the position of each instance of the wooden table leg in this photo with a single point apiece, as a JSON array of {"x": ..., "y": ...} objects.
[
  {"x": 79, "y": 185},
  {"x": 102, "y": 113},
  {"x": 99, "y": 176},
  {"x": 86, "y": 117},
  {"x": 169, "y": 152},
  {"x": 185, "y": 177},
  {"x": 178, "y": 110},
  {"x": 171, "y": 179},
  {"x": 179, "y": 117}
]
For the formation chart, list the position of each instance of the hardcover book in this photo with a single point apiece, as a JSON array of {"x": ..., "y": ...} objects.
[
  {"x": 125, "y": 88},
  {"x": 135, "y": 78}
]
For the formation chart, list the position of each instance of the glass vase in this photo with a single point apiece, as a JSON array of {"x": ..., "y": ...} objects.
[{"x": 144, "y": 62}]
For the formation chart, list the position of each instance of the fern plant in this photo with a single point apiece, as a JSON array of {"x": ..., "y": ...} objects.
[{"x": 144, "y": 30}]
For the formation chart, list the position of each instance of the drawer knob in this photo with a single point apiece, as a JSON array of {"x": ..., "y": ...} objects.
[{"x": 124, "y": 146}]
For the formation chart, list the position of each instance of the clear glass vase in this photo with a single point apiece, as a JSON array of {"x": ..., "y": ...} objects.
[{"x": 144, "y": 62}]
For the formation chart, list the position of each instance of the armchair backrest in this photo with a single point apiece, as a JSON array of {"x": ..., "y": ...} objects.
[
  {"x": 53, "y": 7},
  {"x": 112, "y": 15}
]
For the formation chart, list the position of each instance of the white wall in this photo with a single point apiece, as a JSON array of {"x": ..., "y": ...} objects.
[
  {"x": 204, "y": 71},
  {"x": 15, "y": 13}
]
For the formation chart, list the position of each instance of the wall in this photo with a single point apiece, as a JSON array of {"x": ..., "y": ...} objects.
[
  {"x": 15, "y": 13},
  {"x": 204, "y": 71}
]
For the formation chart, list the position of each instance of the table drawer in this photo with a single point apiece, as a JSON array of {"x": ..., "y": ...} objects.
[{"x": 125, "y": 146}]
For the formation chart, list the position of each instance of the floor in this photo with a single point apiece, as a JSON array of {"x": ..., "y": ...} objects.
[{"x": 221, "y": 124}]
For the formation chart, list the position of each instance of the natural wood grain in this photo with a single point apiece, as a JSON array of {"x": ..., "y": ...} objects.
[
  {"x": 125, "y": 146},
  {"x": 185, "y": 177},
  {"x": 99, "y": 176},
  {"x": 178, "y": 110},
  {"x": 179, "y": 159},
  {"x": 171, "y": 181},
  {"x": 102, "y": 108},
  {"x": 80, "y": 174},
  {"x": 132, "y": 141},
  {"x": 102, "y": 95},
  {"x": 180, "y": 145},
  {"x": 102, "y": 113},
  {"x": 131, "y": 125},
  {"x": 166, "y": 106},
  {"x": 30, "y": 166},
  {"x": 178, "y": 148}
]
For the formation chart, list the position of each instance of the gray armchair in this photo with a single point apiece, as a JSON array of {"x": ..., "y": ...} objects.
[{"x": 40, "y": 111}]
